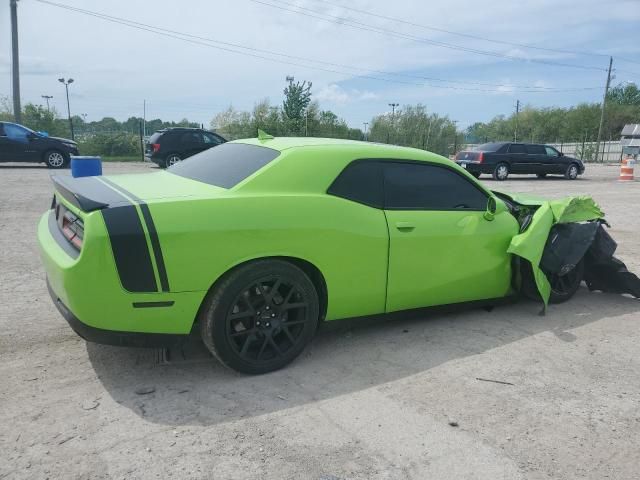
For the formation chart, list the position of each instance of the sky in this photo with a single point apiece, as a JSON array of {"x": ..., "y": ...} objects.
[{"x": 361, "y": 55}]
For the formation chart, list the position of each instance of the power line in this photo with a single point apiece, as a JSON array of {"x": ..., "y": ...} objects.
[
  {"x": 368, "y": 27},
  {"x": 475, "y": 37},
  {"x": 232, "y": 48}
]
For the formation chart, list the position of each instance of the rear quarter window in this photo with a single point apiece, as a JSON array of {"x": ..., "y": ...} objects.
[{"x": 226, "y": 165}]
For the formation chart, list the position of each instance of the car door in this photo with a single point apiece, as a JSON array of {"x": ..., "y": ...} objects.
[
  {"x": 442, "y": 249},
  {"x": 15, "y": 143},
  {"x": 554, "y": 161},
  {"x": 191, "y": 143},
  {"x": 536, "y": 159},
  {"x": 518, "y": 158}
]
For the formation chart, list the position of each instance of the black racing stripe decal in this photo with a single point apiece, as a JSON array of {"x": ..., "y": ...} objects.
[
  {"x": 153, "y": 235},
  {"x": 155, "y": 243},
  {"x": 130, "y": 251}
]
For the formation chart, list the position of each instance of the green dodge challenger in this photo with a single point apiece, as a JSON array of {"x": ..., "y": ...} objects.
[{"x": 256, "y": 241}]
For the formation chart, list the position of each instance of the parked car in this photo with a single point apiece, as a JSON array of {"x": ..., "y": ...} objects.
[
  {"x": 503, "y": 158},
  {"x": 255, "y": 242},
  {"x": 170, "y": 145},
  {"x": 21, "y": 144}
]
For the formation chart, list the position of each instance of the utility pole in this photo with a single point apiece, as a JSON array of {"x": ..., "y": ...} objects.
[
  {"x": 144, "y": 118},
  {"x": 17, "y": 110},
  {"x": 366, "y": 124},
  {"x": 66, "y": 86},
  {"x": 604, "y": 103},
  {"x": 515, "y": 133},
  {"x": 455, "y": 136},
  {"x": 47, "y": 98}
]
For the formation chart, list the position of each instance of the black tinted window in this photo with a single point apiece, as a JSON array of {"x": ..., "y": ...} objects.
[
  {"x": 225, "y": 166},
  {"x": 361, "y": 182},
  {"x": 536, "y": 150},
  {"x": 489, "y": 147},
  {"x": 517, "y": 148},
  {"x": 411, "y": 186}
]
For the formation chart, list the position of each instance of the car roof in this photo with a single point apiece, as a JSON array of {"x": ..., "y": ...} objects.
[{"x": 369, "y": 149}]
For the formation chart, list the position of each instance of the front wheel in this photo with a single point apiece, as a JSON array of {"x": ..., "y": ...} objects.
[
  {"x": 563, "y": 287},
  {"x": 55, "y": 159},
  {"x": 260, "y": 316},
  {"x": 572, "y": 172},
  {"x": 501, "y": 172}
]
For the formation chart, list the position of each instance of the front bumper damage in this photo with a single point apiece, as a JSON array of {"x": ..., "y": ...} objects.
[{"x": 556, "y": 235}]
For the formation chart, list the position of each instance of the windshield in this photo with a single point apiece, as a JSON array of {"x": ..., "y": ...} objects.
[{"x": 225, "y": 165}]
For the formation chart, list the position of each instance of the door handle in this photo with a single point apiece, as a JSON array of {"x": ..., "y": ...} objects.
[{"x": 405, "y": 226}]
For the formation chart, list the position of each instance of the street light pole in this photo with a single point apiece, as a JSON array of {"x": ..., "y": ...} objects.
[
  {"x": 393, "y": 116},
  {"x": 47, "y": 98},
  {"x": 66, "y": 86},
  {"x": 366, "y": 125},
  {"x": 17, "y": 110}
]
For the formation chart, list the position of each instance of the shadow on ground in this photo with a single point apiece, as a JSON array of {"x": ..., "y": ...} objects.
[{"x": 190, "y": 387}]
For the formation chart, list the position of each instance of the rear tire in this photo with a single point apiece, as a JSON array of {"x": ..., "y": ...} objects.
[
  {"x": 260, "y": 316},
  {"x": 171, "y": 159},
  {"x": 56, "y": 159},
  {"x": 563, "y": 287},
  {"x": 501, "y": 172},
  {"x": 572, "y": 172}
]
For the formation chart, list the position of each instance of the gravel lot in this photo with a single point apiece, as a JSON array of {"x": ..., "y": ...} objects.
[{"x": 393, "y": 400}]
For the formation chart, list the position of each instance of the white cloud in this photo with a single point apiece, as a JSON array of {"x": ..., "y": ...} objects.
[{"x": 334, "y": 93}]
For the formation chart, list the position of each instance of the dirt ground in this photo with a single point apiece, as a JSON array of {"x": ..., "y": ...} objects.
[{"x": 394, "y": 400}]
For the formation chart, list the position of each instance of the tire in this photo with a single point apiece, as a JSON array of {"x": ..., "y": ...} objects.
[
  {"x": 252, "y": 330},
  {"x": 541, "y": 175},
  {"x": 501, "y": 172},
  {"x": 56, "y": 159},
  {"x": 475, "y": 174},
  {"x": 572, "y": 172},
  {"x": 171, "y": 159},
  {"x": 563, "y": 287}
]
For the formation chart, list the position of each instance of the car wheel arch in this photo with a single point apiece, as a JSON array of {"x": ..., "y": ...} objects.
[{"x": 311, "y": 270}]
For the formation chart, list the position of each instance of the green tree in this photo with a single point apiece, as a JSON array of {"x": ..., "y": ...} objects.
[
  {"x": 297, "y": 97},
  {"x": 622, "y": 94}
]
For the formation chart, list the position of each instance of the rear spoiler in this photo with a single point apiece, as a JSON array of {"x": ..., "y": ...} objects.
[{"x": 87, "y": 193}]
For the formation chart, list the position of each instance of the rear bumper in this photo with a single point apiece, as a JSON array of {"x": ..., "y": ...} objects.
[
  {"x": 110, "y": 337},
  {"x": 476, "y": 167}
]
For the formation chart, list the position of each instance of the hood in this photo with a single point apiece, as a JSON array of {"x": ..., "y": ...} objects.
[
  {"x": 522, "y": 198},
  {"x": 65, "y": 140}
]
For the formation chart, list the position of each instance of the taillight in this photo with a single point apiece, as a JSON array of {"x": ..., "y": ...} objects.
[
  {"x": 155, "y": 147},
  {"x": 480, "y": 157},
  {"x": 71, "y": 226}
]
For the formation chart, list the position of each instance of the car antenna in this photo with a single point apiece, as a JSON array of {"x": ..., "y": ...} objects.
[{"x": 262, "y": 135}]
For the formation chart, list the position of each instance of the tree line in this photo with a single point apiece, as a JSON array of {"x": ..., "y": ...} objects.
[
  {"x": 555, "y": 125},
  {"x": 300, "y": 115}
]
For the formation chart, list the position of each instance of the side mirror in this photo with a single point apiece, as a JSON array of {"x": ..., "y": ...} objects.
[
  {"x": 490, "y": 213},
  {"x": 32, "y": 136},
  {"x": 560, "y": 154}
]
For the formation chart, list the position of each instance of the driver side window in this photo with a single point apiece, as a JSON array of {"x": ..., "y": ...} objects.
[
  {"x": 416, "y": 186},
  {"x": 552, "y": 152},
  {"x": 15, "y": 132}
]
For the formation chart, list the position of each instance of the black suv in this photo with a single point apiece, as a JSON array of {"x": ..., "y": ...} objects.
[
  {"x": 168, "y": 146},
  {"x": 21, "y": 144},
  {"x": 502, "y": 158}
]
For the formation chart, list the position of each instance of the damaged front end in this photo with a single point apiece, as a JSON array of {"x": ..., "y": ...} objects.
[{"x": 561, "y": 243}]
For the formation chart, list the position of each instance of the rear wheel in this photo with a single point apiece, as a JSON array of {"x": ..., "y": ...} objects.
[
  {"x": 171, "y": 159},
  {"x": 55, "y": 159},
  {"x": 572, "y": 172},
  {"x": 501, "y": 172},
  {"x": 260, "y": 316}
]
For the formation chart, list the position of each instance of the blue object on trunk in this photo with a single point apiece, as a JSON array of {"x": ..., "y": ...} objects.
[{"x": 86, "y": 166}]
